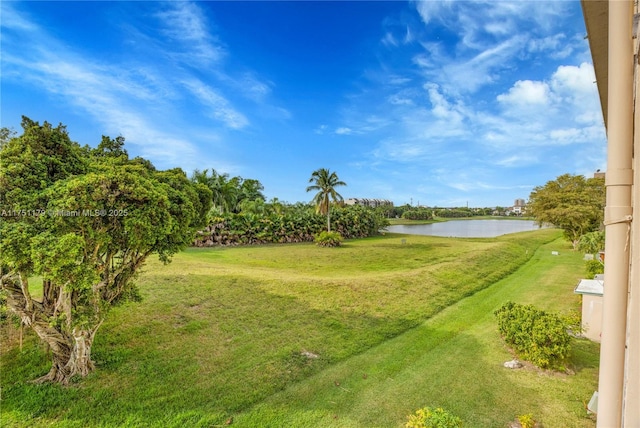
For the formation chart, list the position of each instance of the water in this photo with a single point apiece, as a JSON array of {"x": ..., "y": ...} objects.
[{"x": 466, "y": 228}]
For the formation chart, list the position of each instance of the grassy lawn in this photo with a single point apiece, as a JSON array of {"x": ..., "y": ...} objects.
[{"x": 221, "y": 332}]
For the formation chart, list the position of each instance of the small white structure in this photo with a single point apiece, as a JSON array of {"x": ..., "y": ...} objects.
[{"x": 591, "y": 291}]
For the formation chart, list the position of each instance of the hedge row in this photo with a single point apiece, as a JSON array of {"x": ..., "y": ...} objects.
[{"x": 288, "y": 227}]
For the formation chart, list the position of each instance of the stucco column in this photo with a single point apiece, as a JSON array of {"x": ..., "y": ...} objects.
[
  {"x": 618, "y": 181},
  {"x": 631, "y": 397}
]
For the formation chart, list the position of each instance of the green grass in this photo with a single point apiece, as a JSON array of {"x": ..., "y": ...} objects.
[{"x": 220, "y": 333}]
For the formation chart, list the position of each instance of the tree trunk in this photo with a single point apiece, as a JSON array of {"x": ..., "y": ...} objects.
[
  {"x": 70, "y": 355},
  {"x": 328, "y": 220},
  {"x": 70, "y": 351}
]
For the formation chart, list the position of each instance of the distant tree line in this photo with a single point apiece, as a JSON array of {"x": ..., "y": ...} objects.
[{"x": 428, "y": 213}]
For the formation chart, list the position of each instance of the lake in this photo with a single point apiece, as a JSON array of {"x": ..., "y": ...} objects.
[{"x": 466, "y": 228}]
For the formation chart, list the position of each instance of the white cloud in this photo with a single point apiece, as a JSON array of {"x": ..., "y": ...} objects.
[
  {"x": 441, "y": 108},
  {"x": 320, "y": 130},
  {"x": 574, "y": 83},
  {"x": 137, "y": 102},
  {"x": 15, "y": 21},
  {"x": 344, "y": 131},
  {"x": 220, "y": 108},
  {"x": 565, "y": 135},
  {"x": 351, "y": 124},
  {"x": 526, "y": 92},
  {"x": 491, "y": 37},
  {"x": 254, "y": 87},
  {"x": 430, "y": 10},
  {"x": 562, "y": 110},
  {"x": 516, "y": 160},
  {"x": 100, "y": 92},
  {"x": 468, "y": 74},
  {"x": 389, "y": 39},
  {"x": 409, "y": 37},
  {"x": 548, "y": 43},
  {"x": 185, "y": 24},
  {"x": 398, "y": 80},
  {"x": 399, "y": 99}
]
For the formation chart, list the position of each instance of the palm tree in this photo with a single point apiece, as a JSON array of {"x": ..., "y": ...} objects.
[
  {"x": 225, "y": 190},
  {"x": 325, "y": 183}
]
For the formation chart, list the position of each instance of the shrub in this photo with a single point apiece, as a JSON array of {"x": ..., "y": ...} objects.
[
  {"x": 593, "y": 268},
  {"x": 536, "y": 335},
  {"x": 527, "y": 421},
  {"x": 573, "y": 321},
  {"x": 328, "y": 239},
  {"x": 4, "y": 311},
  {"x": 436, "y": 418}
]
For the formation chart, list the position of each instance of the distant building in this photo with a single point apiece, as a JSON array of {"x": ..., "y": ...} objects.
[
  {"x": 598, "y": 174},
  {"x": 373, "y": 203},
  {"x": 519, "y": 207}
]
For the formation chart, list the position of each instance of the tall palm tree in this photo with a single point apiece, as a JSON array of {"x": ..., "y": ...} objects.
[{"x": 325, "y": 183}]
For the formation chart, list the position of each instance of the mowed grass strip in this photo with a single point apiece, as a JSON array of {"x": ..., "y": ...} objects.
[
  {"x": 222, "y": 330},
  {"x": 453, "y": 360}
]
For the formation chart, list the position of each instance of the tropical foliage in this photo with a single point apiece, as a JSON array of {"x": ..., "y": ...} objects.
[
  {"x": 592, "y": 242},
  {"x": 325, "y": 183},
  {"x": 229, "y": 194},
  {"x": 328, "y": 239},
  {"x": 279, "y": 223},
  {"x": 433, "y": 418},
  {"x": 572, "y": 203},
  {"x": 85, "y": 220},
  {"x": 593, "y": 268}
]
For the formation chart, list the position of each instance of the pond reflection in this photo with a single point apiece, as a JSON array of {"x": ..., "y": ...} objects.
[{"x": 466, "y": 228}]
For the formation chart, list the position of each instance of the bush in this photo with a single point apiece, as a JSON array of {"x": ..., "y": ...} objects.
[
  {"x": 436, "y": 418},
  {"x": 4, "y": 311},
  {"x": 538, "y": 336},
  {"x": 328, "y": 239},
  {"x": 527, "y": 421},
  {"x": 593, "y": 268}
]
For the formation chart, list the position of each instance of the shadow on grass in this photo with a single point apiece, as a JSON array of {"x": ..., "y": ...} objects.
[
  {"x": 195, "y": 363},
  {"x": 585, "y": 354},
  {"x": 423, "y": 367}
]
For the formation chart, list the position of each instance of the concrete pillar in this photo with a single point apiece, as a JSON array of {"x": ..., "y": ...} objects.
[{"x": 618, "y": 181}]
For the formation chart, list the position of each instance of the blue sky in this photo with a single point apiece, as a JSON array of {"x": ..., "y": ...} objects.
[{"x": 441, "y": 103}]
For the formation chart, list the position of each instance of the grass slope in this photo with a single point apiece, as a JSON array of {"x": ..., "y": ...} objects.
[
  {"x": 453, "y": 360},
  {"x": 220, "y": 333}
]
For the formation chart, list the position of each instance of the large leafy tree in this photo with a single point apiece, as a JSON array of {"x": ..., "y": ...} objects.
[
  {"x": 85, "y": 220},
  {"x": 325, "y": 183},
  {"x": 571, "y": 202}
]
